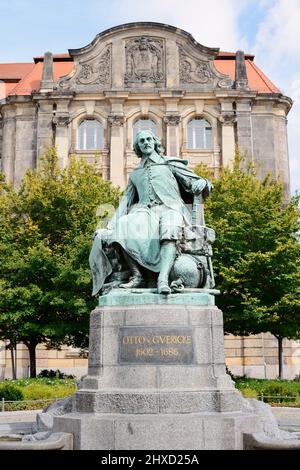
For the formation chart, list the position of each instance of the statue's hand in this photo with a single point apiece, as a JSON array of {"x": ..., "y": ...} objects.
[{"x": 198, "y": 186}]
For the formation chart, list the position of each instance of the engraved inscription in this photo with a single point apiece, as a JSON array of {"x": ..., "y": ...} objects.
[{"x": 156, "y": 345}]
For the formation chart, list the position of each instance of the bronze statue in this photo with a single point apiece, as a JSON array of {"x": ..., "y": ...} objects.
[{"x": 158, "y": 229}]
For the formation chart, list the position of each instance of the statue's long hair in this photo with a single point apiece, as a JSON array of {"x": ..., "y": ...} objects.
[{"x": 157, "y": 144}]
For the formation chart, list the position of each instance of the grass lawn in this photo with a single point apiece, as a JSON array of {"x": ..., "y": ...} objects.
[
  {"x": 41, "y": 388},
  {"x": 275, "y": 392}
]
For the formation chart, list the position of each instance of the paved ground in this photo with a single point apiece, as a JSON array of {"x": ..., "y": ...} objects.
[
  {"x": 13, "y": 422},
  {"x": 288, "y": 418},
  {"x": 18, "y": 416},
  {"x": 21, "y": 422}
]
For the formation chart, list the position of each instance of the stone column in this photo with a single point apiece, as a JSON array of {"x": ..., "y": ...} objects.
[
  {"x": 8, "y": 142},
  {"x": 61, "y": 121},
  {"x": 47, "y": 81},
  {"x": 228, "y": 121},
  {"x": 2, "y": 359},
  {"x": 44, "y": 126},
  {"x": 116, "y": 122},
  {"x": 25, "y": 152},
  {"x": 241, "y": 78},
  {"x": 228, "y": 143},
  {"x": 244, "y": 128},
  {"x": 172, "y": 121}
]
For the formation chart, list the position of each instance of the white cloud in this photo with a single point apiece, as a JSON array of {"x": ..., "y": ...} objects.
[
  {"x": 213, "y": 23},
  {"x": 277, "y": 49}
]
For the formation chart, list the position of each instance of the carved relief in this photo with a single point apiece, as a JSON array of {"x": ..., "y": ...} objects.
[
  {"x": 61, "y": 121},
  {"x": 172, "y": 119},
  {"x": 116, "y": 120},
  {"x": 144, "y": 61},
  {"x": 227, "y": 119},
  {"x": 97, "y": 72},
  {"x": 92, "y": 71},
  {"x": 197, "y": 70}
]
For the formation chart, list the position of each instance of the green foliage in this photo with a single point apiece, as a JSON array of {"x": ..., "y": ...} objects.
[
  {"x": 278, "y": 393},
  {"x": 51, "y": 382},
  {"x": 10, "y": 392},
  {"x": 283, "y": 392},
  {"x": 50, "y": 373},
  {"x": 39, "y": 391},
  {"x": 256, "y": 254},
  {"x": 45, "y": 237},
  {"x": 261, "y": 385},
  {"x": 249, "y": 393}
]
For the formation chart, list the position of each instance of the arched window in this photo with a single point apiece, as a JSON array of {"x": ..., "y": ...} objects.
[
  {"x": 90, "y": 135},
  {"x": 143, "y": 124},
  {"x": 199, "y": 134}
]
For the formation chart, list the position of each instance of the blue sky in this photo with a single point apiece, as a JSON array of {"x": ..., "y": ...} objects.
[{"x": 268, "y": 28}]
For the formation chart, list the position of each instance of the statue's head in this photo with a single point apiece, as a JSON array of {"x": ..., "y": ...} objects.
[{"x": 145, "y": 143}]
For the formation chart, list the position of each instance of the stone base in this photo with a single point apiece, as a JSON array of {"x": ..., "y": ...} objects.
[
  {"x": 207, "y": 431},
  {"x": 157, "y": 378}
]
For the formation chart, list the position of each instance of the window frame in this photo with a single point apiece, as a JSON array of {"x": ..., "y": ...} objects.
[
  {"x": 84, "y": 147},
  {"x": 206, "y": 127}
]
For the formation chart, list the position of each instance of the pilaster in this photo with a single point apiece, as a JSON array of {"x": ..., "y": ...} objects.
[
  {"x": 8, "y": 142},
  {"x": 25, "y": 137},
  {"x": 172, "y": 133},
  {"x": 244, "y": 127},
  {"x": 44, "y": 125},
  {"x": 116, "y": 122},
  {"x": 61, "y": 121},
  {"x": 228, "y": 121}
]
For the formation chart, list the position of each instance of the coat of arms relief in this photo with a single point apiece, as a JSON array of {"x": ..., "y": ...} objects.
[{"x": 144, "y": 61}]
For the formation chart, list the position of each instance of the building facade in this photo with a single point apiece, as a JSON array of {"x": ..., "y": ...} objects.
[{"x": 201, "y": 102}]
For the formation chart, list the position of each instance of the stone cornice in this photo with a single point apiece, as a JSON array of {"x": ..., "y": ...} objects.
[
  {"x": 55, "y": 95},
  {"x": 147, "y": 26}
]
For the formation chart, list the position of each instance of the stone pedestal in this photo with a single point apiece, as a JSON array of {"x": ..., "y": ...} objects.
[{"x": 156, "y": 377}]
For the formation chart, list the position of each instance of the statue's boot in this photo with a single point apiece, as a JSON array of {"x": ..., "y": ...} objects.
[
  {"x": 167, "y": 256},
  {"x": 136, "y": 280}
]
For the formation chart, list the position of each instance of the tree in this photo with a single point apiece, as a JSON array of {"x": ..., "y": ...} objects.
[
  {"x": 256, "y": 254},
  {"x": 45, "y": 237}
]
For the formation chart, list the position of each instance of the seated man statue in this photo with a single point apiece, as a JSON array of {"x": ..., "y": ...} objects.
[{"x": 153, "y": 218}]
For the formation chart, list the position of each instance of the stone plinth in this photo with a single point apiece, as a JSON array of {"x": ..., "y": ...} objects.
[{"x": 156, "y": 378}]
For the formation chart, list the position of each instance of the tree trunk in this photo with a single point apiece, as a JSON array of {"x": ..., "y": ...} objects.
[
  {"x": 13, "y": 361},
  {"x": 31, "y": 345},
  {"x": 15, "y": 350},
  {"x": 280, "y": 356}
]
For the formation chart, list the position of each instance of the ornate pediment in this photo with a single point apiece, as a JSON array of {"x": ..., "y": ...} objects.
[
  {"x": 199, "y": 70},
  {"x": 143, "y": 56},
  {"x": 91, "y": 72}
]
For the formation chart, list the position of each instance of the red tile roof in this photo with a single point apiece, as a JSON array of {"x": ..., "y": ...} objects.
[
  {"x": 15, "y": 71},
  {"x": 31, "y": 82},
  {"x": 27, "y": 76},
  {"x": 257, "y": 80}
]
